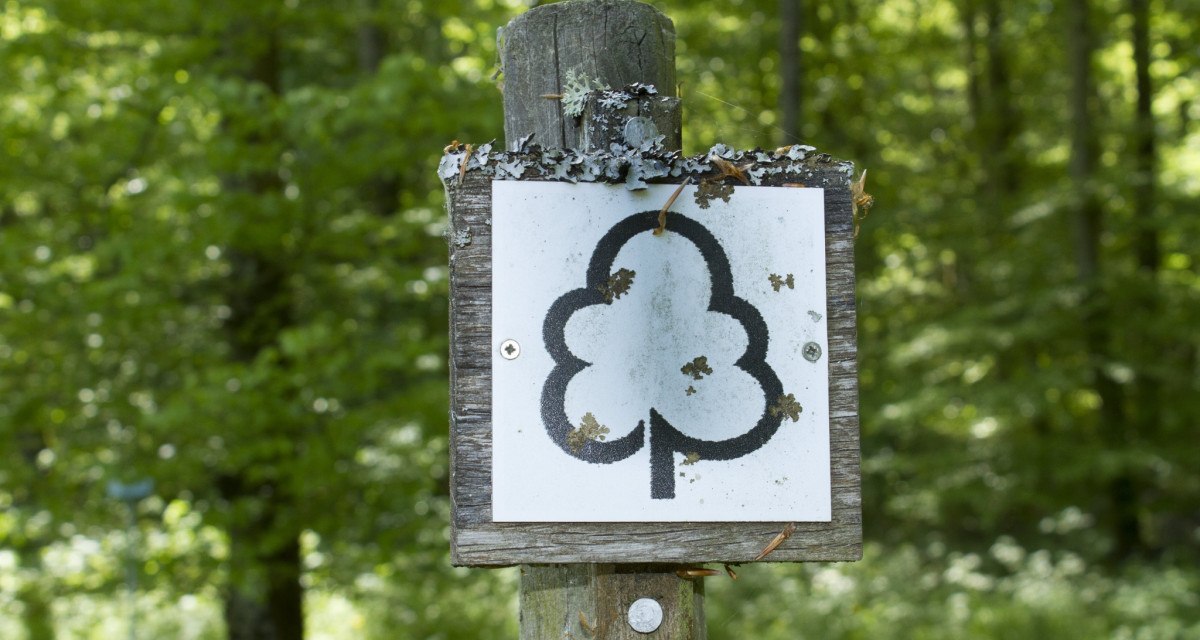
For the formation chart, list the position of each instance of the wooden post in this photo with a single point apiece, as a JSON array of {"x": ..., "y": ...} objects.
[{"x": 607, "y": 43}]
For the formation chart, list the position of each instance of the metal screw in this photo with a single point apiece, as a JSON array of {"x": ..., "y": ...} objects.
[
  {"x": 812, "y": 351},
  {"x": 510, "y": 349},
  {"x": 645, "y": 615}
]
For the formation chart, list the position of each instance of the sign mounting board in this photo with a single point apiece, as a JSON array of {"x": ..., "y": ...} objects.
[
  {"x": 677, "y": 377},
  {"x": 623, "y": 396}
]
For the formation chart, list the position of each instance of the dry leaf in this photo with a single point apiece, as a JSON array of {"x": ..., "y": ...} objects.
[
  {"x": 783, "y": 535},
  {"x": 462, "y": 169},
  {"x": 689, "y": 574},
  {"x": 728, "y": 169},
  {"x": 862, "y": 200},
  {"x": 732, "y": 574}
]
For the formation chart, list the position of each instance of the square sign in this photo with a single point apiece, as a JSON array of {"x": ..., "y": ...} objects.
[
  {"x": 625, "y": 396},
  {"x": 678, "y": 377}
]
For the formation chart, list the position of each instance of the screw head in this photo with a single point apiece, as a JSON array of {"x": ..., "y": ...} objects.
[
  {"x": 645, "y": 615},
  {"x": 510, "y": 349},
  {"x": 812, "y": 351}
]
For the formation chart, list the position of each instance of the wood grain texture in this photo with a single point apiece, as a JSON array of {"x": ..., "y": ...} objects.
[
  {"x": 615, "y": 42},
  {"x": 592, "y": 601},
  {"x": 478, "y": 541}
]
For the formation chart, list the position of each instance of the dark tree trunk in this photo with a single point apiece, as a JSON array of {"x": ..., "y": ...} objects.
[
  {"x": 1095, "y": 316},
  {"x": 264, "y": 599},
  {"x": 1145, "y": 200},
  {"x": 382, "y": 190},
  {"x": 968, "y": 14},
  {"x": 791, "y": 17},
  {"x": 1145, "y": 144},
  {"x": 36, "y": 614},
  {"x": 1001, "y": 121}
]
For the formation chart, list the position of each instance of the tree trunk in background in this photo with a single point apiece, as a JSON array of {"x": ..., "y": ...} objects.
[
  {"x": 381, "y": 190},
  {"x": 997, "y": 131},
  {"x": 1095, "y": 313},
  {"x": 1001, "y": 120},
  {"x": 264, "y": 599},
  {"x": 1145, "y": 199},
  {"x": 791, "y": 16},
  {"x": 1144, "y": 143},
  {"x": 36, "y": 614},
  {"x": 968, "y": 14}
]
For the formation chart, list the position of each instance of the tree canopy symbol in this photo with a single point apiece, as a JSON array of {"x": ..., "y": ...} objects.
[{"x": 665, "y": 439}]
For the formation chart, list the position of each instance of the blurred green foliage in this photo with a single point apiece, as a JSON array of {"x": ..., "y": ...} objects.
[{"x": 221, "y": 267}]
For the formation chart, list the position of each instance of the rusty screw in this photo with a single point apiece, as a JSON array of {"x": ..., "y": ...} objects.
[{"x": 812, "y": 351}]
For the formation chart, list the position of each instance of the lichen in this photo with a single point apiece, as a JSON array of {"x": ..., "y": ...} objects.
[
  {"x": 614, "y": 99},
  {"x": 461, "y": 238},
  {"x": 637, "y": 167},
  {"x": 697, "y": 368},
  {"x": 710, "y": 190},
  {"x": 618, "y": 285},
  {"x": 787, "y": 406},
  {"x": 589, "y": 430},
  {"x": 575, "y": 92},
  {"x": 778, "y": 281}
]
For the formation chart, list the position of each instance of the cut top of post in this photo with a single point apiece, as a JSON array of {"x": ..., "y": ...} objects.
[{"x": 561, "y": 51}]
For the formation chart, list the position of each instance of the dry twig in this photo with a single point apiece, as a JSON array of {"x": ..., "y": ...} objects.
[{"x": 588, "y": 627}]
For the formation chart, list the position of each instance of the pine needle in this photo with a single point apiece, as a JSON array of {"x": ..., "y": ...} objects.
[
  {"x": 662, "y": 215},
  {"x": 774, "y": 544}
]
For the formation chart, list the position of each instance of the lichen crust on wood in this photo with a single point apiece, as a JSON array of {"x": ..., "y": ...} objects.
[{"x": 636, "y": 167}]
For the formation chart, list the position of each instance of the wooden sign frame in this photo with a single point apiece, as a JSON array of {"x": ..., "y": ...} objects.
[{"x": 478, "y": 541}]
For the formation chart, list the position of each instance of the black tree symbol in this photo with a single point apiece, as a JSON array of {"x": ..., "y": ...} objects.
[{"x": 665, "y": 439}]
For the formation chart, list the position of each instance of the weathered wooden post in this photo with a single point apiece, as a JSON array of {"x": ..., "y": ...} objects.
[
  {"x": 612, "y": 43},
  {"x": 746, "y": 438}
]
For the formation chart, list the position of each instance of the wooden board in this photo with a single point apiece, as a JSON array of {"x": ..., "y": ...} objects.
[{"x": 478, "y": 541}]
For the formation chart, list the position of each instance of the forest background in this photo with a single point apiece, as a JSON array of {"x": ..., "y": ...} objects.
[{"x": 222, "y": 268}]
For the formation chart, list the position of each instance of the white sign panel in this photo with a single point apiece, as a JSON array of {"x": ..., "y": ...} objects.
[{"x": 643, "y": 378}]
